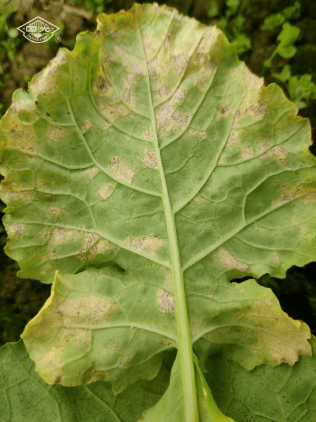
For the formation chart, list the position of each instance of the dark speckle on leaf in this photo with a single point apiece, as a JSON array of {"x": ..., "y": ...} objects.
[{"x": 58, "y": 380}]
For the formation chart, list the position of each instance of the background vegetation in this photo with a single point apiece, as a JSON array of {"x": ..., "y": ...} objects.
[{"x": 276, "y": 39}]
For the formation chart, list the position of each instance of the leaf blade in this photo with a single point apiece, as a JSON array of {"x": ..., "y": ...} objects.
[{"x": 162, "y": 156}]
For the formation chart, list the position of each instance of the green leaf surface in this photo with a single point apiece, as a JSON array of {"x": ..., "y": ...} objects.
[
  {"x": 25, "y": 397},
  {"x": 264, "y": 394},
  {"x": 171, "y": 408},
  {"x": 301, "y": 89},
  {"x": 286, "y": 393},
  {"x": 286, "y": 38},
  {"x": 284, "y": 75},
  {"x": 105, "y": 324},
  {"x": 150, "y": 167}
]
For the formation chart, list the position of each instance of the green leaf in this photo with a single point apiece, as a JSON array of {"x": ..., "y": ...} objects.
[
  {"x": 171, "y": 406},
  {"x": 286, "y": 38},
  {"x": 272, "y": 22},
  {"x": 293, "y": 12},
  {"x": 242, "y": 43},
  {"x": 301, "y": 89},
  {"x": 150, "y": 167},
  {"x": 285, "y": 393},
  {"x": 284, "y": 75},
  {"x": 102, "y": 324},
  {"x": 233, "y": 6},
  {"x": 277, "y": 19},
  {"x": 212, "y": 9},
  {"x": 24, "y": 396}
]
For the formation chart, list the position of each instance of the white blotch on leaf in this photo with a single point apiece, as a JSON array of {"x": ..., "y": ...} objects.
[
  {"x": 231, "y": 262},
  {"x": 18, "y": 228},
  {"x": 86, "y": 125},
  {"x": 166, "y": 301},
  {"x": 122, "y": 171},
  {"x": 150, "y": 160},
  {"x": 277, "y": 152},
  {"x": 56, "y": 132},
  {"x": 106, "y": 190}
]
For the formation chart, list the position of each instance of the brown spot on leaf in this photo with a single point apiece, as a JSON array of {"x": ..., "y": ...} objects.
[
  {"x": 113, "y": 111},
  {"x": 179, "y": 61},
  {"x": 182, "y": 120},
  {"x": 247, "y": 153},
  {"x": 115, "y": 162},
  {"x": 148, "y": 134},
  {"x": 128, "y": 97},
  {"x": 277, "y": 152},
  {"x": 180, "y": 94},
  {"x": 131, "y": 80},
  {"x": 14, "y": 109},
  {"x": 103, "y": 84},
  {"x": 115, "y": 35},
  {"x": 106, "y": 190},
  {"x": 265, "y": 146},
  {"x": 150, "y": 160},
  {"x": 148, "y": 244},
  {"x": 89, "y": 240},
  {"x": 58, "y": 235},
  {"x": 166, "y": 301},
  {"x": 230, "y": 262},
  {"x": 137, "y": 68},
  {"x": 56, "y": 132},
  {"x": 223, "y": 110},
  {"x": 283, "y": 198},
  {"x": 153, "y": 68},
  {"x": 102, "y": 247},
  {"x": 18, "y": 228},
  {"x": 57, "y": 211},
  {"x": 91, "y": 172},
  {"x": 125, "y": 173},
  {"x": 163, "y": 91},
  {"x": 310, "y": 198},
  {"x": 86, "y": 125},
  {"x": 119, "y": 50},
  {"x": 275, "y": 259},
  {"x": 58, "y": 380}
]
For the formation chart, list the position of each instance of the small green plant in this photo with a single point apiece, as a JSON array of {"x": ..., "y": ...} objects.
[
  {"x": 233, "y": 23},
  {"x": 93, "y": 6},
  {"x": 286, "y": 39},
  {"x": 212, "y": 9},
  {"x": 144, "y": 172},
  {"x": 9, "y": 39},
  {"x": 301, "y": 89},
  {"x": 277, "y": 19}
]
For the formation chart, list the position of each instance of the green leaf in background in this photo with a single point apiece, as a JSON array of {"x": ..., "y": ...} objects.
[
  {"x": 242, "y": 43},
  {"x": 25, "y": 397},
  {"x": 286, "y": 38},
  {"x": 212, "y": 9},
  {"x": 301, "y": 89},
  {"x": 284, "y": 75},
  {"x": 285, "y": 48},
  {"x": 286, "y": 393},
  {"x": 149, "y": 167},
  {"x": 277, "y": 19}
]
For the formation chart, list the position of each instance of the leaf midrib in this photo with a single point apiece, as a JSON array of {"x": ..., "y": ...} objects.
[{"x": 184, "y": 338}]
